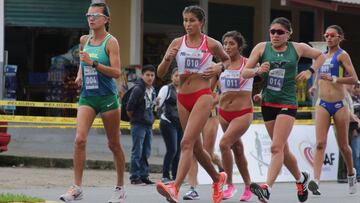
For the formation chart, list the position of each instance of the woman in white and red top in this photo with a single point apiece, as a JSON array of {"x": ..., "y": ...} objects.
[
  {"x": 194, "y": 53},
  {"x": 236, "y": 112}
]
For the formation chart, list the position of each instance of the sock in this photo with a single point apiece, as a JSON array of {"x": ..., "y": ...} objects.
[
  {"x": 317, "y": 181},
  {"x": 301, "y": 179}
]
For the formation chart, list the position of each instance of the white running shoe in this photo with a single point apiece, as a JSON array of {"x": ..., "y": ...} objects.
[
  {"x": 118, "y": 195},
  {"x": 73, "y": 193},
  {"x": 352, "y": 183}
]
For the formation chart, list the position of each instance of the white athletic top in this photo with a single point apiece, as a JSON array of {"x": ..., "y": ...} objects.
[
  {"x": 231, "y": 80},
  {"x": 193, "y": 59}
]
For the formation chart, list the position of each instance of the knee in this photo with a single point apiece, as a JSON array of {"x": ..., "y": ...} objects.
[
  {"x": 114, "y": 147},
  {"x": 224, "y": 146},
  {"x": 186, "y": 144},
  {"x": 80, "y": 142},
  {"x": 344, "y": 148},
  {"x": 321, "y": 146},
  {"x": 276, "y": 149}
]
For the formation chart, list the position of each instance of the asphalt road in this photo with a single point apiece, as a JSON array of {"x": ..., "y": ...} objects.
[{"x": 50, "y": 183}]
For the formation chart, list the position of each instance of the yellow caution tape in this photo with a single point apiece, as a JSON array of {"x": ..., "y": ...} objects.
[
  {"x": 39, "y": 104},
  {"x": 59, "y": 120}
]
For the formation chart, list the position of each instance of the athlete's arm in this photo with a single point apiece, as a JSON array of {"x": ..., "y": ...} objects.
[
  {"x": 78, "y": 79},
  {"x": 351, "y": 77},
  {"x": 251, "y": 63},
  {"x": 169, "y": 57},
  {"x": 113, "y": 50},
  {"x": 304, "y": 50},
  {"x": 218, "y": 51}
]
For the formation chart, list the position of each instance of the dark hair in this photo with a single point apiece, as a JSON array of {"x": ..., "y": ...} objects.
[
  {"x": 338, "y": 29},
  {"x": 106, "y": 12},
  {"x": 238, "y": 37},
  {"x": 148, "y": 67},
  {"x": 174, "y": 70},
  {"x": 283, "y": 22},
  {"x": 197, "y": 11}
]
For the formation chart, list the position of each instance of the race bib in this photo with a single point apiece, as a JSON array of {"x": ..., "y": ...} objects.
[
  {"x": 91, "y": 78},
  {"x": 326, "y": 67},
  {"x": 230, "y": 80},
  {"x": 192, "y": 63},
  {"x": 276, "y": 79}
]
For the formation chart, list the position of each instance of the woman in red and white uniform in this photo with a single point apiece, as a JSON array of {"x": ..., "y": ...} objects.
[
  {"x": 235, "y": 112},
  {"x": 194, "y": 53}
]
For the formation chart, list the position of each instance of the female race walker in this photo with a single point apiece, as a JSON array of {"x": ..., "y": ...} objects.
[
  {"x": 194, "y": 52},
  {"x": 100, "y": 64},
  {"x": 332, "y": 103},
  {"x": 236, "y": 112},
  {"x": 279, "y": 59}
]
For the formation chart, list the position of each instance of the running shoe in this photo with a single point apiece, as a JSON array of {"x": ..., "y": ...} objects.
[
  {"x": 229, "y": 191},
  {"x": 302, "y": 191},
  {"x": 262, "y": 192},
  {"x": 168, "y": 191},
  {"x": 352, "y": 183},
  {"x": 118, "y": 195},
  {"x": 217, "y": 188},
  {"x": 72, "y": 194},
  {"x": 191, "y": 195},
  {"x": 314, "y": 187},
  {"x": 247, "y": 194}
]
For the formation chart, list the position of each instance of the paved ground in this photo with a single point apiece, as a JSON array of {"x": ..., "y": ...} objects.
[{"x": 50, "y": 183}]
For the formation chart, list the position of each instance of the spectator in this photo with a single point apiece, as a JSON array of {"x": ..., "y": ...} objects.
[
  {"x": 355, "y": 130},
  {"x": 170, "y": 126},
  {"x": 140, "y": 111}
]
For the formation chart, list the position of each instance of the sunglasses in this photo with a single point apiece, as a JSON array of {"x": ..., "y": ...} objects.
[
  {"x": 278, "y": 32},
  {"x": 331, "y": 34},
  {"x": 95, "y": 16}
]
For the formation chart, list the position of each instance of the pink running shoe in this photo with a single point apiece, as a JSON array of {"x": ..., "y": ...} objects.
[
  {"x": 247, "y": 194},
  {"x": 168, "y": 191},
  {"x": 229, "y": 191},
  {"x": 217, "y": 188}
]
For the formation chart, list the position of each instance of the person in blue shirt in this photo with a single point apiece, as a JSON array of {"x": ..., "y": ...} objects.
[{"x": 140, "y": 111}]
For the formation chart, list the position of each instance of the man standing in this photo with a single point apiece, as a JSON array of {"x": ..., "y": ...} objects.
[{"x": 140, "y": 111}]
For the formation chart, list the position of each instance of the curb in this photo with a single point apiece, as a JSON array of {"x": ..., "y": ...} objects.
[{"x": 42, "y": 162}]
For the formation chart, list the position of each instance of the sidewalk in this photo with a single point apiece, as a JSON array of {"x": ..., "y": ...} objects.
[{"x": 54, "y": 147}]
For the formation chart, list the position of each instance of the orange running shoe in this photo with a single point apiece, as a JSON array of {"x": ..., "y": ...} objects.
[
  {"x": 168, "y": 191},
  {"x": 217, "y": 188}
]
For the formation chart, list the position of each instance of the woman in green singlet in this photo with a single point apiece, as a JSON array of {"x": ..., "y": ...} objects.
[{"x": 279, "y": 59}]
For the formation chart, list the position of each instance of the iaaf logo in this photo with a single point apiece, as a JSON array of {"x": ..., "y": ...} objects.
[{"x": 307, "y": 151}]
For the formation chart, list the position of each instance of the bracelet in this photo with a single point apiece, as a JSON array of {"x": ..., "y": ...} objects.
[
  {"x": 222, "y": 67},
  {"x": 311, "y": 70},
  {"x": 334, "y": 79}
]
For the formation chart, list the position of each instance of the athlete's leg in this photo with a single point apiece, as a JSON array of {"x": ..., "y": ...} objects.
[
  {"x": 193, "y": 124},
  {"x": 209, "y": 135},
  {"x": 342, "y": 120},
  {"x": 289, "y": 158},
  {"x": 322, "y": 125},
  {"x": 281, "y": 131},
  {"x": 234, "y": 131},
  {"x": 85, "y": 117},
  {"x": 111, "y": 120}
]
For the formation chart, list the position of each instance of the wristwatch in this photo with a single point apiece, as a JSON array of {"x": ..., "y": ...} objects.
[{"x": 95, "y": 64}]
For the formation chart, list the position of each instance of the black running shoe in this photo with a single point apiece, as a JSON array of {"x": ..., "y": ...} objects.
[
  {"x": 147, "y": 181},
  {"x": 302, "y": 191},
  {"x": 314, "y": 188},
  {"x": 261, "y": 192}
]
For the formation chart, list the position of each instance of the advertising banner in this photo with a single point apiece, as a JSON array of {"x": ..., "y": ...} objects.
[{"x": 301, "y": 142}]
